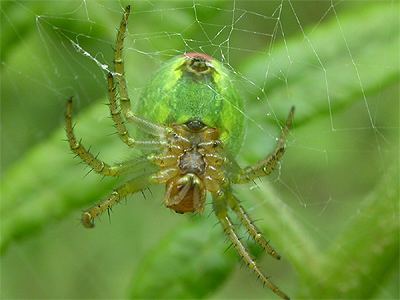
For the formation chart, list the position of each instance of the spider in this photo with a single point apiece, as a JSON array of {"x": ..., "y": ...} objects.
[{"x": 192, "y": 127}]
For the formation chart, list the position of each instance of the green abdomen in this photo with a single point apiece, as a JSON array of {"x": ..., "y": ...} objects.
[{"x": 195, "y": 87}]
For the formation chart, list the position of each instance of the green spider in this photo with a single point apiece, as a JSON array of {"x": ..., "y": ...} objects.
[{"x": 192, "y": 124}]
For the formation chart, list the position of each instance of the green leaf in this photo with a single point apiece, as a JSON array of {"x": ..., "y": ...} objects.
[
  {"x": 197, "y": 252},
  {"x": 361, "y": 256},
  {"x": 38, "y": 191},
  {"x": 329, "y": 68},
  {"x": 190, "y": 262},
  {"x": 368, "y": 250}
]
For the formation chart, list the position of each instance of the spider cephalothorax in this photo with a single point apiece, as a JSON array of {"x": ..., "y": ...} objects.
[
  {"x": 190, "y": 166},
  {"x": 192, "y": 123}
]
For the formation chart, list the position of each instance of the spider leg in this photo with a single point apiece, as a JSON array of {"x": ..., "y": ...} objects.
[
  {"x": 116, "y": 196},
  {"x": 125, "y": 102},
  {"x": 220, "y": 208},
  {"x": 92, "y": 161},
  {"x": 120, "y": 122},
  {"x": 250, "y": 227},
  {"x": 267, "y": 165}
]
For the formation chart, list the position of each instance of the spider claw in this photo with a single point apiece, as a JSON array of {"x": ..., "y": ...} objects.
[{"x": 87, "y": 220}]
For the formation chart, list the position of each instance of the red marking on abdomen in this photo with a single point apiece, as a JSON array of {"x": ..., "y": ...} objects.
[{"x": 198, "y": 55}]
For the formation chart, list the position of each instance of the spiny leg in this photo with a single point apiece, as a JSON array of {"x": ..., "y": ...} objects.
[
  {"x": 116, "y": 113},
  {"x": 120, "y": 122},
  {"x": 119, "y": 193},
  {"x": 219, "y": 204},
  {"x": 125, "y": 102},
  {"x": 267, "y": 165},
  {"x": 96, "y": 164},
  {"x": 251, "y": 228}
]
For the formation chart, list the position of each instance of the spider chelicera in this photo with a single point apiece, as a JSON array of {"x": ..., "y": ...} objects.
[{"x": 192, "y": 125}]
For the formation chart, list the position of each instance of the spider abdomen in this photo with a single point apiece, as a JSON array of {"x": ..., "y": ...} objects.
[{"x": 196, "y": 87}]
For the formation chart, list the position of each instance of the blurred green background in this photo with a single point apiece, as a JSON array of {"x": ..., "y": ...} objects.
[{"x": 331, "y": 210}]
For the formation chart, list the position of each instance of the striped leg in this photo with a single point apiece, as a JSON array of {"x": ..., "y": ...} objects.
[
  {"x": 267, "y": 165},
  {"x": 125, "y": 102},
  {"x": 92, "y": 161},
  {"x": 119, "y": 122},
  {"x": 219, "y": 203},
  {"x": 116, "y": 196},
  {"x": 250, "y": 227}
]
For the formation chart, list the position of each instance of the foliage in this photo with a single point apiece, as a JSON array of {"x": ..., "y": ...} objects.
[{"x": 185, "y": 258}]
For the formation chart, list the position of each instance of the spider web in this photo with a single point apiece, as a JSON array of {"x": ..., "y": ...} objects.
[{"x": 75, "y": 39}]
